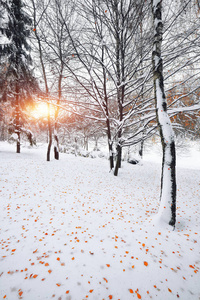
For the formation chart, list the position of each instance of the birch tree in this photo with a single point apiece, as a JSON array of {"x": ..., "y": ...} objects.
[{"x": 167, "y": 210}]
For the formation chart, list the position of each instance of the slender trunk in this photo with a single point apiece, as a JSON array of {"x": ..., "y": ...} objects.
[
  {"x": 50, "y": 134},
  {"x": 167, "y": 210},
  {"x": 141, "y": 149},
  {"x": 105, "y": 105},
  {"x": 17, "y": 117},
  {"x": 56, "y": 145},
  {"x": 45, "y": 80},
  {"x": 110, "y": 146},
  {"x": 119, "y": 158},
  {"x": 120, "y": 78}
]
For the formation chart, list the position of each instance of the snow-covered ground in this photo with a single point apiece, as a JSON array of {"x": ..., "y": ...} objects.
[{"x": 69, "y": 229}]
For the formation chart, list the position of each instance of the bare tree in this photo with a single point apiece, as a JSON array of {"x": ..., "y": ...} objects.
[{"x": 168, "y": 177}]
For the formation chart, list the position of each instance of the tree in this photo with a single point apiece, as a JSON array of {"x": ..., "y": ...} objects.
[
  {"x": 19, "y": 78},
  {"x": 108, "y": 64},
  {"x": 168, "y": 178}
]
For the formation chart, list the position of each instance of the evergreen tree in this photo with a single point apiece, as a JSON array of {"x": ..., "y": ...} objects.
[{"x": 19, "y": 79}]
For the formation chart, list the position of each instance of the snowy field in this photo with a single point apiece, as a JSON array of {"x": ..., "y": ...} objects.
[{"x": 69, "y": 229}]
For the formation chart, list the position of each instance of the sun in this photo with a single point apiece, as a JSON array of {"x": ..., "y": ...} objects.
[{"x": 41, "y": 111}]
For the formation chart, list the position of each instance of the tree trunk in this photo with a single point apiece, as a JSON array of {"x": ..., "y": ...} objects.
[
  {"x": 50, "y": 134},
  {"x": 119, "y": 39},
  {"x": 105, "y": 105},
  {"x": 56, "y": 146},
  {"x": 45, "y": 79},
  {"x": 119, "y": 159},
  {"x": 141, "y": 148},
  {"x": 167, "y": 210},
  {"x": 17, "y": 117},
  {"x": 110, "y": 147}
]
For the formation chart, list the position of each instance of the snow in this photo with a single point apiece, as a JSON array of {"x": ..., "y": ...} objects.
[{"x": 69, "y": 229}]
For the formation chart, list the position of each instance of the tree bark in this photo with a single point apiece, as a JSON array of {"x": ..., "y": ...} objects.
[
  {"x": 119, "y": 39},
  {"x": 56, "y": 146},
  {"x": 50, "y": 134},
  {"x": 105, "y": 105},
  {"x": 17, "y": 116},
  {"x": 141, "y": 149},
  {"x": 167, "y": 210},
  {"x": 45, "y": 79}
]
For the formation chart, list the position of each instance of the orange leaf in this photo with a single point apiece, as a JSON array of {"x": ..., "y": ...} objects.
[
  {"x": 35, "y": 276},
  {"x": 73, "y": 258},
  {"x": 146, "y": 263},
  {"x": 58, "y": 258},
  {"x": 20, "y": 293},
  {"x": 110, "y": 296},
  {"x": 58, "y": 284},
  {"x": 50, "y": 271},
  {"x": 169, "y": 290},
  {"x": 91, "y": 291},
  {"x": 105, "y": 280},
  {"x": 46, "y": 264},
  {"x": 108, "y": 265},
  {"x": 191, "y": 266},
  {"x": 4, "y": 296},
  {"x": 139, "y": 296},
  {"x": 35, "y": 251},
  {"x": 131, "y": 291},
  {"x": 13, "y": 250},
  {"x": 67, "y": 292}
]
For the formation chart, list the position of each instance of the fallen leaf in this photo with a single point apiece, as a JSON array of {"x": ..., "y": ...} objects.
[{"x": 139, "y": 296}]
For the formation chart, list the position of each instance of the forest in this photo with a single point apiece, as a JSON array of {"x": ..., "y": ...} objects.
[
  {"x": 120, "y": 70},
  {"x": 76, "y": 76}
]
